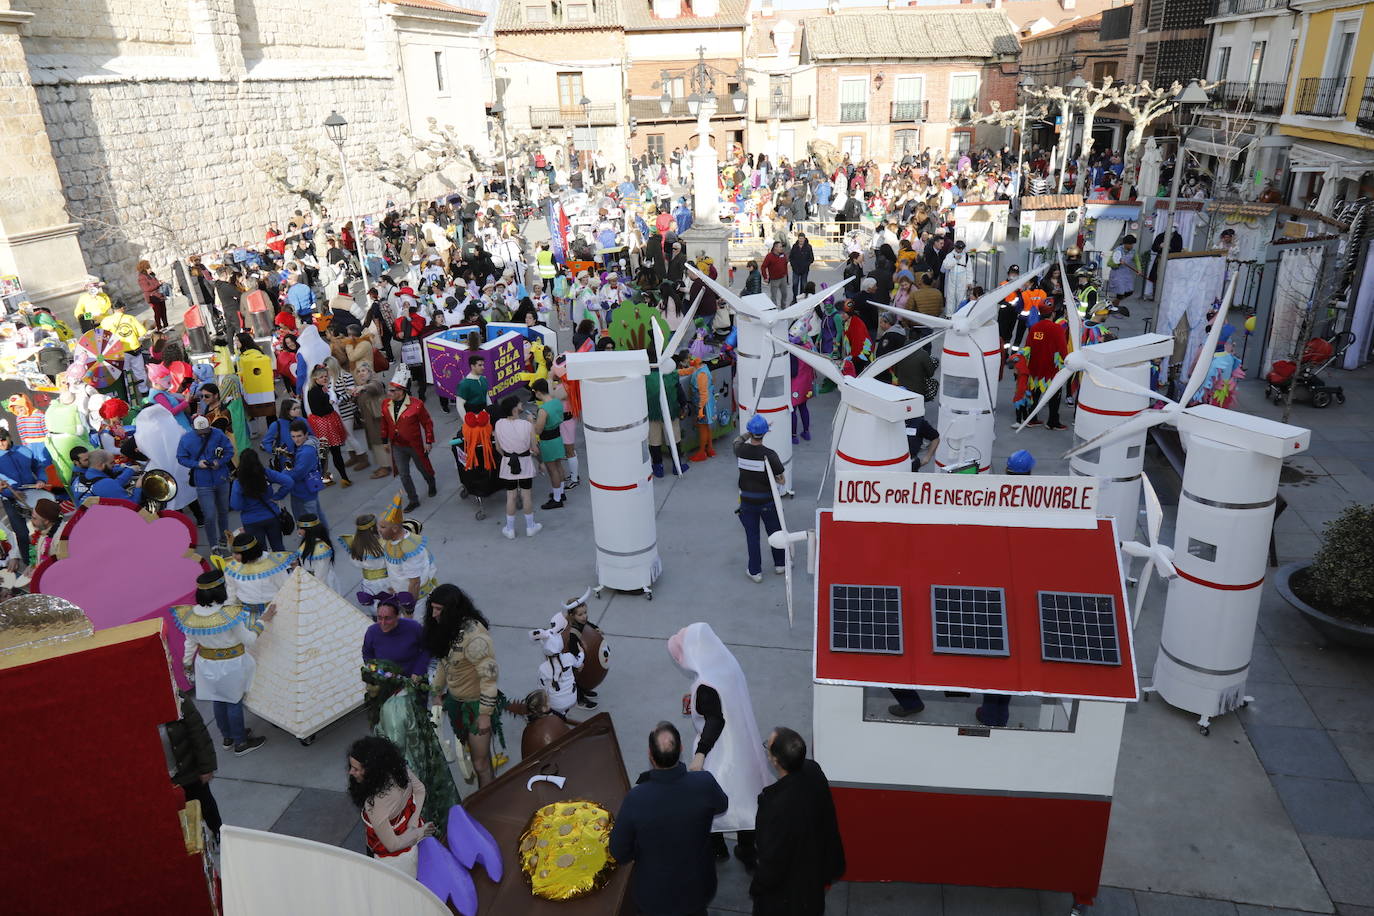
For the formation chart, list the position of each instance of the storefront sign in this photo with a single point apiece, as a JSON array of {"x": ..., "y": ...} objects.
[{"x": 987, "y": 499}]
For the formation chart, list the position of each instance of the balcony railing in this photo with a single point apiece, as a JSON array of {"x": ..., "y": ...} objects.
[
  {"x": 1365, "y": 119},
  {"x": 652, "y": 110},
  {"x": 909, "y": 110},
  {"x": 963, "y": 109},
  {"x": 577, "y": 116},
  {"x": 853, "y": 112},
  {"x": 793, "y": 109},
  {"x": 1242, "y": 7},
  {"x": 1322, "y": 97},
  {"x": 1251, "y": 98}
]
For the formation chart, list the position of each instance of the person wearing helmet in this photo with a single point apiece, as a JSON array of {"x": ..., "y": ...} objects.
[
  {"x": 756, "y": 461},
  {"x": 1020, "y": 463}
]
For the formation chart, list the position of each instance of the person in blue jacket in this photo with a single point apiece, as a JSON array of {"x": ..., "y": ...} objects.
[
  {"x": 20, "y": 466},
  {"x": 207, "y": 452},
  {"x": 306, "y": 479},
  {"x": 100, "y": 479},
  {"x": 254, "y": 495},
  {"x": 277, "y": 444}
]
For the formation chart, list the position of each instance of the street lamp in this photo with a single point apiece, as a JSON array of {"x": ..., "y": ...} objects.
[
  {"x": 498, "y": 111},
  {"x": 1188, "y": 101},
  {"x": 738, "y": 98},
  {"x": 586, "y": 104},
  {"x": 665, "y": 102},
  {"x": 693, "y": 104},
  {"x": 701, "y": 105},
  {"x": 777, "y": 101},
  {"x": 337, "y": 129}
]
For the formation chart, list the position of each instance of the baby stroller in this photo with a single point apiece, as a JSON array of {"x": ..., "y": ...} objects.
[
  {"x": 476, "y": 459},
  {"x": 1316, "y": 357}
]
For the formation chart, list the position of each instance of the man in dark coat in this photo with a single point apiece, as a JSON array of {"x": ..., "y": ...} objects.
[
  {"x": 797, "y": 835},
  {"x": 194, "y": 753},
  {"x": 664, "y": 827}
]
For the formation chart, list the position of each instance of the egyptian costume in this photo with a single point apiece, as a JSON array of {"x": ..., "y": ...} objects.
[
  {"x": 217, "y": 641},
  {"x": 374, "y": 568},
  {"x": 320, "y": 564},
  {"x": 408, "y": 558},
  {"x": 254, "y": 584}
]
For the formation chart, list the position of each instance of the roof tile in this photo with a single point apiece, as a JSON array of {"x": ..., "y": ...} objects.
[{"x": 911, "y": 34}]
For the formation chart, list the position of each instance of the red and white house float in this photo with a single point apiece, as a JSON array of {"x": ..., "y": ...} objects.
[{"x": 956, "y": 586}]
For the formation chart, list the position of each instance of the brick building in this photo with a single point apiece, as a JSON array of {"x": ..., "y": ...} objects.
[
  {"x": 671, "y": 36},
  {"x": 888, "y": 83}
]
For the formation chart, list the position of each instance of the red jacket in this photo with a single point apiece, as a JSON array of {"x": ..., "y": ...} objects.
[
  {"x": 774, "y": 267},
  {"x": 1047, "y": 340},
  {"x": 413, "y": 428}
]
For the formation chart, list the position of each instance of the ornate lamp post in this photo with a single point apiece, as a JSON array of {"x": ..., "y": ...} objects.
[
  {"x": 337, "y": 128},
  {"x": 701, "y": 104}
]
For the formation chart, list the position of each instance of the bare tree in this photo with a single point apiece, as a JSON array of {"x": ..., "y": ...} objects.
[
  {"x": 1092, "y": 100},
  {"x": 1145, "y": 104},
  {"x": 308, "y": 174}
]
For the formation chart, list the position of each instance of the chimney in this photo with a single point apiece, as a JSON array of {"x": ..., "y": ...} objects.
[
  {"x": 667, "y": 9},
  {"x": 1068, "y": 4},
  {"x": 705, "y": 8},
  {"x": 783, "y": 34},
  {"x": 766, "y": 9}
]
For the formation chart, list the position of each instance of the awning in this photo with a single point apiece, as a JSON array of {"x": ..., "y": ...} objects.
[
  {"x": 1221, "y": 150},
  {"x": 1316, "y": 156}
]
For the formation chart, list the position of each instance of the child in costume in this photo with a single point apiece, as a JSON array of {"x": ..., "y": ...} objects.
[
  {"x": 218, "y": 634},
  {"x": 163, "y": 380},
  {"x": 1023, "y": 399},
  {"x": 411, "y": 569},
  {"x": 253, "y": 576},
  {"x": 364, "y": 548},
  {"x": 803, "y": 386},
  {"x": 315, "y": 552},
  {"x": 575, "y": 610},
  {"x": 559, "y": 667}
]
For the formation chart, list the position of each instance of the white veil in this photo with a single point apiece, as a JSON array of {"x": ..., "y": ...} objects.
[{"x": 157, "y": 434}]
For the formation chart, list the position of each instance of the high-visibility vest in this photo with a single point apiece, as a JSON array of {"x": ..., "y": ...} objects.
[{"x": 544, "y": 260}]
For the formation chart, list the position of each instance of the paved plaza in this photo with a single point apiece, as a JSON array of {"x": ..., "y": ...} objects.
[{"x": 1273, "y": 813}]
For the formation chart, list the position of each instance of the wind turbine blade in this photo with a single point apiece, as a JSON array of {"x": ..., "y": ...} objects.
[
  {"x": 820, "y": 363},
  {"x": 1061, "y": 378},
  {"x": 1071, "y": 308},
  {"x": 837, "y": 429},
  {"x": 668, "y": 422},
  {"x": 1142, "y": 588},
  {"x": 1154, "y": 512},
  {"x": 787, "y": 583},
  {"x": 1136, "y": 424},
  {"x": 716, "y": 286},
  {"x": 1109, "y": 379},
  {"x": 787, "y": 540},
  {"x": 768, "y": 367},
  {"x": 682, "y": 329},
  {"x": 888, "y": 360},
  {"x": 1135, "y": 548},
  {"x": 1204, "y": 356},
  {"x": 930, "y": 321},
  {"x": 802, "y": 306}
]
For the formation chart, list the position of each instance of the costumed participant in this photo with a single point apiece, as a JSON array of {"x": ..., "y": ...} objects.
[
  {"x": 28, "y": 421},
  {"x": 558, "y": 670},
  {"x": 1124, "y": 266},
  {"x": 728, "y": 744},
  {"x": 222, "y": 404},
  {"x": 364, "y": 548},
  {"x": 21, "y": 468},
  {"x": 410, "y": 566},
  {"x": 218, "y": 634},
  {"x": 253, "y": 576},
  {"x": 579, "y": 640},
  {"x": 958, "y": 271},
  {"x": 756, "y": 461},
  {"x": 661, "y": 427},
  {"x": 701, "y": 405},
  {"x": 316, "y": 553},
  {"x": 465, "y": 680},
  {"x": 391, "y": 798},
  {"x": 158, "y": 436},
  {"x": 1049, "y": 346},
  {"x": 569, "y": 392},
  {"x": 514, "y": 440},
  {"x": 1023, "y": 399},
  {"x": 407, "y": 426},
  {"x": 163, "y": 382},
  {"x": 65, "y": 427},
  {"x": 393, "y": 651},
  {"x": 48, "y": 527},
  {"x": 113, "y": 435},
  {"x": 1219, "y": 386},
  {"x": 548, "y": 418},
  {"x": 803, "y": 387}
]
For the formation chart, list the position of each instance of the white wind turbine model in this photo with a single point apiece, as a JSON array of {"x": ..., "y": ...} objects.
[
  {"x": 1114, "y": 387},
  {"x": 762, "y": 382},
  {"x": 664, "y": 365},
  {"x": 969, "y": 368},
  {"x": 1159, "y": 558},
  {"x": 875, "y": 439},
  {"x": 1221, "y": 540}
]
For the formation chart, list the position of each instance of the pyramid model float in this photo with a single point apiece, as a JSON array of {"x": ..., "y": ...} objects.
[{"x": 308, "y": 658}]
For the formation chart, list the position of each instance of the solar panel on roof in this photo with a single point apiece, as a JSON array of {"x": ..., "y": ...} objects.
[
  {"x": 969, "y": 621},
  {"x": 1078, "y": 628},
  {"x": 866, "y": 618}
]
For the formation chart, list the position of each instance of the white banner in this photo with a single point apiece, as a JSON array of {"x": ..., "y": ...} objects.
[{"x": 982, "y": 499}]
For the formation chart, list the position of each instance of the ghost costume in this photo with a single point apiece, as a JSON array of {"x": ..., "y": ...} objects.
[
  {"x": 958, "y": 275},
  {"x": 736, "y": 759},
  {"x": 157, "y": 433}
]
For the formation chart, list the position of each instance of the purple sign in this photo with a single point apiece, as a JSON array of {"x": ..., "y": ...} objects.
[{"x": 449, "y": 356}]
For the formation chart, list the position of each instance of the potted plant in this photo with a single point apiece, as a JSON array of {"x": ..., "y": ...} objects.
[{"x": 1335, "y": 592}]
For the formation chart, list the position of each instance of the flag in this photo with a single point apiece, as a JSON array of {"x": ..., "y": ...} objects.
[{"x": 557, "y": 221}]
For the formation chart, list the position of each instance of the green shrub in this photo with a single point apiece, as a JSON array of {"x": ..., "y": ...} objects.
[{"x": 1340, "y": 580}]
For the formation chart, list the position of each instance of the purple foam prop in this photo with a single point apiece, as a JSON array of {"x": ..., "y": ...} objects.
[
  {"x": 437, "y": 870},
  {"x": 471, "y": 843}
]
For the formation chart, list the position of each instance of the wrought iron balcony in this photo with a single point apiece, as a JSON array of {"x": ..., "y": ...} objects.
[
  {"x": 853, "y": 112},
  {"x": 576, "y": 116},
  {"x": 797, "y": 108},
  {"x": 1242, "y": 7},
  {"x": 1251, "y": 98},
  {"x": 1322, "y": 97},
  {"x": 910, "y": 110},
  {"x": 1365, "y": 119},
  {"x": 963, "y": 109},
  {"x": 652, "y": 110}
]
